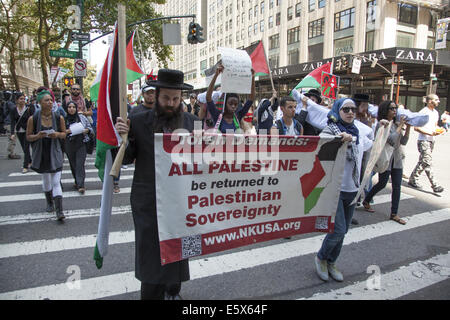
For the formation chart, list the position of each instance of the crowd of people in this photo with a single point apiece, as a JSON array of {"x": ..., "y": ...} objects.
[{"x": 52, "y": 129}]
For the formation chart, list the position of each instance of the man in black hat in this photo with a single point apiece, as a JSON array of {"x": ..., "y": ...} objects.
[
  {"x": 148, "y": 93},
  {"x": 157, "y": 282}
]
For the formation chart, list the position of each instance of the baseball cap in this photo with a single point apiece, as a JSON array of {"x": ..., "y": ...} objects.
[{"x": 146, "y": 88}]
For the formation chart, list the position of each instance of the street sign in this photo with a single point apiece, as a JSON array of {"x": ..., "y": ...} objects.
[
  {"x": 63, "y": 53},
  {"x": 81, "y": 37},
  {"x": 171, "y": 34},
  {"x": 80, "y": 67},
  {"x": 356, "y": 67}
]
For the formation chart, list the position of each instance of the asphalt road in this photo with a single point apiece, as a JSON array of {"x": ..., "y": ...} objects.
[{"x": 40, "y": 257}]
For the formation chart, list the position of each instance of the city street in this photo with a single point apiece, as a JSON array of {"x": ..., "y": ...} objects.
[{"x": 40, "y": 258}]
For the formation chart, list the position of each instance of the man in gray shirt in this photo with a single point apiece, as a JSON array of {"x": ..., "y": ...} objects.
[{"x": 148, "y": 92}]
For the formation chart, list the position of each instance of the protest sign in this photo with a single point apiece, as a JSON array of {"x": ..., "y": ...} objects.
[
  {"x": 218, "y": 192},
  {"x": 330, "y": 84},
  {"x": 237, "y": 74}
]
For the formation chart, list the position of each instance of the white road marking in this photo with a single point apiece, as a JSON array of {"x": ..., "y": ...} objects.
[
  {"x": 39, "y": 182},
  {"x": 100, "y": 287},
  {"x": 393, "y": 285},
  {"x": 32, "y": 173}
]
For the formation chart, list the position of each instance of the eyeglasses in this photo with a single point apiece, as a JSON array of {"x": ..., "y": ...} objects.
[
  {"x": 393, "y": 108},
  {"x": 348, "y": 109}
]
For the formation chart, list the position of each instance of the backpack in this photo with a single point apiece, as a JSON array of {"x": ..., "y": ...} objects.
[{"x": 281, "y": 132}]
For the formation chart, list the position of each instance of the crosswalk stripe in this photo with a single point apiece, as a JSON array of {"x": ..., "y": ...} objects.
[
  {"x": 70, "y": 214},
  {"x": 32, "y": 173},
  {"x": 105, "y": 286},
  {"x": 354, "y": 235},
  {"x": 93, "y": 212},
  {"x": 39, "y": 182},
  {"x": 69, "y": 194},
  {"x": 407, "y": 279}
]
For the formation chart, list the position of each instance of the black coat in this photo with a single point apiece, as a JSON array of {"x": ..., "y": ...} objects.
[{"x": 143, "y": 202}]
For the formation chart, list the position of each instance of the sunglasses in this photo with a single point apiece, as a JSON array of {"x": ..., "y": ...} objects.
[
  {"x": 393, "y": 108},
  {"x": 347, "y": 109}
]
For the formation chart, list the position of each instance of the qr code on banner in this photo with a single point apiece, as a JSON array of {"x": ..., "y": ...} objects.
[
  {"x": 321, "y": 223},
  {"x": 191, "y": 246}
]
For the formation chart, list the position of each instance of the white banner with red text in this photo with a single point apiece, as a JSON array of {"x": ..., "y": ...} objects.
[{"x": 217, "y": 192}]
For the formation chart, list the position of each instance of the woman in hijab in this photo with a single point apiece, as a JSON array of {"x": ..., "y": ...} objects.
[
  {"x": 76, "y": 143},
  {"x": 44, "y": 129},
  {"x": 341, "y": 123}
]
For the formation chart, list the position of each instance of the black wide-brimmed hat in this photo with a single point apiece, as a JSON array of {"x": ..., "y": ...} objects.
[
  {"x": 170, "y": 79},
  {"x": 314, "y": 93},
  {"x": 361, "y": 97}
]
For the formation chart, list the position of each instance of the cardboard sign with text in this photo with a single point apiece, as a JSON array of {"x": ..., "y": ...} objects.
[{"x": 330, "y": 85}]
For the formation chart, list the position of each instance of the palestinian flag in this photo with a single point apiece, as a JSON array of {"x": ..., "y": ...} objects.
[
  {"x": 107, "y": 140},
  {"x": 313, "y": 79},
  {"x": 259, "y": 62},
  {"x": 134, "y": 71}
]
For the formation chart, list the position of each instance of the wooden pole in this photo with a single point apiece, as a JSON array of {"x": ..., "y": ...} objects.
[{"x": 121, "y": 45}]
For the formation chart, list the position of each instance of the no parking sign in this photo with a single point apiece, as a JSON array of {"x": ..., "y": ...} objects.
[{"x": 80, "y": 68}]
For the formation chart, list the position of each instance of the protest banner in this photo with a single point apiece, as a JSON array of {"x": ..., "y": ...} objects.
[
  {"x": 330, "y": 85},
  {"x": 218, "y": 192},
  {"x": 237, "y": 74},
  {"x": 377, "y": 147}
]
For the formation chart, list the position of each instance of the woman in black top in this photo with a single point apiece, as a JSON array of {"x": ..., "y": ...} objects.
[
  {"x": 19, "y": 117},
  {"x": 44, "y": 130},
  {"x": 75, "y": 144}
]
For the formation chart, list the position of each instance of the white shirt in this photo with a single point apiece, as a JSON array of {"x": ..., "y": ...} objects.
[
  {"x": 431, "y": 124},
  {"x": 290, "y": 130}
]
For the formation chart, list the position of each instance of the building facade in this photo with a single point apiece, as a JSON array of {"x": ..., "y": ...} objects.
[{"x": 297, "y": 32}]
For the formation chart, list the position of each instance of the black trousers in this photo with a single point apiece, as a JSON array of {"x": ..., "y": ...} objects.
[
  {"x": 156, "y": 291},
  {"x": 25, "y": 148},
  {"x": 77, "y": 158}
]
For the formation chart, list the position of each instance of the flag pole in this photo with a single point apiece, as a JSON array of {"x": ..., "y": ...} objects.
[
  {"x": 268, "y": 66},
  {"x": 121, "y": 32}
]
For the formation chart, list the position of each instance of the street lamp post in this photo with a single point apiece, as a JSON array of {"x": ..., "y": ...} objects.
[{"x": 375, "y": 62}]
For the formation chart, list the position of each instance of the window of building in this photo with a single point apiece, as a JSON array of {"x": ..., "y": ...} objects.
[
  {"x": 370, "y": 40},
  {"x": 298, "y": 9},
  {"x": 277, "y": 19},
  {"x": 322, "y": 3},
  {"x": 343, "y": 45},
  {"x": 261, "y": 26},
  {"x": 249, "y": 31},
  {"x": 250, "y": 14},
  {"x": 311, "y": 5},
  {"x": 278, "y": 2},
  {"x": 293, "y": 35},
  {"x": 290, "y": 13},
  {"x": 344, "y": 19},
  {"x": 270, "y": 4},
  {"x": 316, "y": 28},
  {"x": 405, "y": 40},
  {"x": 273, "y": 61},
  {"x": 371, "y": 10},
  {"x": 407, "y": 14},
  {"x": 255, "y": 28},
  {"x": 262, "y": 7},
  {"x": 315, "y": 52},
  {"x": 270, "y": 22},
  {"x": 274, "y": 41},
  {"x": 293, "y": 56},
  {"x": 256, "y": 10},
  {"x": 203, "y": 65}
]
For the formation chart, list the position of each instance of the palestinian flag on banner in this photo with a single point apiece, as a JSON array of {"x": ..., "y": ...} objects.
[
  {"x": 134, "y": 71},
  {"x": 107, "y": 140},
  {"x": 313, "y": 79},
  {"x": 259, "y": 62}
]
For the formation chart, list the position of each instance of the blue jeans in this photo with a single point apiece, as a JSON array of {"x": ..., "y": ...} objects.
[
  {"x": 332, "y": 244},
  {"x": 383, "y": 178}
]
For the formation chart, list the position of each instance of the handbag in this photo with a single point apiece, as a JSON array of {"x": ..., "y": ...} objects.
[{"x": 383, "y": 161}]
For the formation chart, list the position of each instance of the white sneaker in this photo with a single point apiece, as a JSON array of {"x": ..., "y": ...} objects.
[
  {"x": 321, "y": 268},
  {"x": 334, "y": 272}
]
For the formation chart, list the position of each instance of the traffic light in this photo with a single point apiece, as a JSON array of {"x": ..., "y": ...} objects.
[
  {"x": 199, "y": 33},
  {"x": 192, "y": 33},
  {"x": 195, "y": 34}
]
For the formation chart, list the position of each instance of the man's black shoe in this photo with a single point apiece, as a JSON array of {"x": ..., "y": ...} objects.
[
  {"x": 355, "y": 222},
  {"x": 438, "y": 189}
]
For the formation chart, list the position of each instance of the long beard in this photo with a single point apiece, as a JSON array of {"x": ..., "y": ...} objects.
[{"x": 167, "y": 121}]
